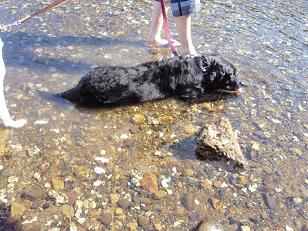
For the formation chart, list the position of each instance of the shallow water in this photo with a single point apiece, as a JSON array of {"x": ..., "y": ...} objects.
[{"x": 267, "y": 42}]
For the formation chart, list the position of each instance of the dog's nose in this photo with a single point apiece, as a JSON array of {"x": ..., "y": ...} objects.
[{"x": 239, "y": 91}]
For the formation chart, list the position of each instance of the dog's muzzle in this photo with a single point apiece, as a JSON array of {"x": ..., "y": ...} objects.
[{"x": 235, "y": 92}]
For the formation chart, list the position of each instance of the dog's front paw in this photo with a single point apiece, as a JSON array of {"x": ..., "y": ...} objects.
[{"x": 16, "y": 124}]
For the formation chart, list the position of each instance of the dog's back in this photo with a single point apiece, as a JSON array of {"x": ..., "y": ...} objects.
[{"x": 183, "y": 78}]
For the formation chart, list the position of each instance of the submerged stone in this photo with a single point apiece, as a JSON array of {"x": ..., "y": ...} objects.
[
  {"x": 32, "y": 192},
  {"x": 218, "y": 141},
  {"x": 188, "y": 201},
  {"x": 149, "y": 183}
]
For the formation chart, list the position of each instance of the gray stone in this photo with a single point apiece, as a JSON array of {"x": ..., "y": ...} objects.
[
  {"x": 32, "y": 193},
  {"x": 188, "y": 201},
  {"x": 124, "y": 203},
  {"x": 207, "y": 226},
  {"x": 194, "y": 216},
  {"x": 106, "y": 218},
  {"x": 142, "y": 221},
  {"x": 7, "y": 172},
  {"x": 270, "y": 201},
  {"x": 218, "y": 141}
]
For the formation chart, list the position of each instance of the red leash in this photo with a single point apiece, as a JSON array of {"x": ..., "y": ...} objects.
[
  {"x": 52, "y": 5},
  {"x": 41, "y": 11},
  {"x": 166, "y": 28}
]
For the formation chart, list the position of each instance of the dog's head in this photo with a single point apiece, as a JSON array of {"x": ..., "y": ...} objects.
[{"x": 219, "y": 75}]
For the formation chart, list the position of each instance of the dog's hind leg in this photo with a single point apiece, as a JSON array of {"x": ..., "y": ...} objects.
[{"x": 4, "y": 113}]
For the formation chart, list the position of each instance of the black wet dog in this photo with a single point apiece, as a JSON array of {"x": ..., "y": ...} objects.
[{"x": 185, "y": 78}]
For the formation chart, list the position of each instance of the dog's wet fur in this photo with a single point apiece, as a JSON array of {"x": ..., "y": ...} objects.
[
  {"x": 186, "y": 78},
  {"x": 6, "y": 222}
]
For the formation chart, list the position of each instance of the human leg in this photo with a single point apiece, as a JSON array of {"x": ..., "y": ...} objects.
[
  {"x": 182, "y": 11},
  {"x": 183, "y": 24},
  {"x": 154, "y": 37},
  {"x": 4, "y": 113}
]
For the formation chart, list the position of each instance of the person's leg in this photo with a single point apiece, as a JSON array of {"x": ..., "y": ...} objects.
[
  {"x": 154, "y": 38},
  {"x": 182, "y": 10},
  {"x": 183, "y": 24},
  {"x": 4, "y": 113}
]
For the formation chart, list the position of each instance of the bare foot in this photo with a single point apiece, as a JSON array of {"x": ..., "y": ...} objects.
[
  {"x": 194, "y": 53},
  {"x": 15, "y": 124},
  {"x": 161, "y": 43},
  {"x": 189, "y": 52}
]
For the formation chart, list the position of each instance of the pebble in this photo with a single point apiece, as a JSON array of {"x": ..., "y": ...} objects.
[
  {"x": 270, "y": 201},
  {"x": 160, "y": 194},
  {"x": 73, "y": 227},
  {"x": 149, "y": 183},
  {"x": 194, "y": 216},
  {"x": 296, "y": 151},
  {"x": 297, "y": 200},
  {"x": 158, "y": 227},
  {"x": 208, "y": 226},
  {"x": 17, "y": 209},
  {"x": 132, "y": 226},
  {"x": 102, "y": 159},
  {"x": 106, "y": 218},
  {"x": 142, "y": 221},
  {"x": 35, "y": 205},
  {"x": 12, "y": 179},
  {"x": 118, "y": 211},
  {"x": 288, "y": 228},
  {"x": 46, "y": 205},
  {"x": 7, "y": 172},
  {"x": 59, "y": 197},
  {"x": 190, "y": 129},
  {"x": 92, "y": 204},
  {"x": 138, "y": 118},
  {"x": 54, "y": 229},
  {"x": 134, "y": 130},
  {"x": 99, "y": 170},
  {"x": 242, "y": 180},
  {"x": 253, "y": 187},
  {"x": 124, "y": 203},
  {"x": 255, "y": 146},
  {"x": 71, "y": 198},
  {"x": 206, "y": 184},
  {"x": 32, "y": 192},
  {"x": 216, "y": 203},
  {"x": 245, "y": 228},
  {"x": 97, "y": 183},
  {"x": 165, "y": 182},
  {"x": 37, "y": 176},
  {"x": 68, "y": 211},
  {"x": 58, "y": 184},
  {"x": 217, "y": 184},
  {"x": 188, "y": 201},
  {"x": 189, "y": 172},
  {"x": 114, "y": 198},
  {"x": 180, "y": 211}
]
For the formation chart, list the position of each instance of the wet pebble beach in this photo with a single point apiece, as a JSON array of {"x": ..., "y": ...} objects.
[{"x": 134, "y": 167}]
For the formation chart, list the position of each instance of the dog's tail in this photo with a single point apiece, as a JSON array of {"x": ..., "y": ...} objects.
[{"x": 72, "y": 95}]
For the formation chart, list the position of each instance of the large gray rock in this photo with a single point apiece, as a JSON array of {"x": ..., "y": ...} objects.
[{"x": 217, "y": 141}]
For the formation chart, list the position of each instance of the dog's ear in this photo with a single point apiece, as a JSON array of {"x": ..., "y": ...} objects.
[{"x": 202, "y": 63}]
